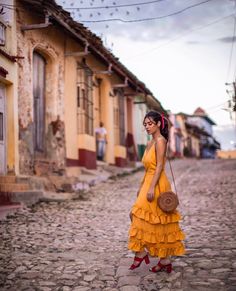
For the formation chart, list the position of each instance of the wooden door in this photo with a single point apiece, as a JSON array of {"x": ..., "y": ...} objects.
[
  {"x": 2, "y": 131},
  {"x": 39, "y": 65}
]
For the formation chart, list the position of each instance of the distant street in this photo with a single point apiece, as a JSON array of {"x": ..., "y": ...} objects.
[{"x": 81, "y": 245}]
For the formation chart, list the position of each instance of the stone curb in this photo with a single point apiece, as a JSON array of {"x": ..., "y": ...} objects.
[{"x": 85, "y": 185}]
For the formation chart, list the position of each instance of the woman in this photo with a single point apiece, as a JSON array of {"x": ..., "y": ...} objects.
[{"x": 152, "y": 230}]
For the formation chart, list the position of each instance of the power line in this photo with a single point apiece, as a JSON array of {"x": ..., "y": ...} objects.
[
  {"x": 182, "y": 35},
  {"x": 114, "y": 6},
  {"x": 216, "y": 106},
  {"x": 147, "y": 19},
  {"x": 9, "y": 6},
  {"x": 96, "y": 7}
]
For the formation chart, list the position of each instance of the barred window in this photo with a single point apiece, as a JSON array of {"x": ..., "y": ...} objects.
[
  {"x": 122, "y": 118},
  {"x": 1, "y": 126},
  {"x": 116, "y": 121},
  {"x": 119, "y": 118},
  {"x": 84, "y": 99}
]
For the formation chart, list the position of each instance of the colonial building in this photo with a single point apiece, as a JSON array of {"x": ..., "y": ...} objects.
[
  {"x": 208, "y": 144},
  {"x": 57, "y": 83},
  {"x": 189, "y": 138},
  {"x": 195, "y": 135},
  {"x": 67, "y": 83},
  {"x": 176, "y": 147}
]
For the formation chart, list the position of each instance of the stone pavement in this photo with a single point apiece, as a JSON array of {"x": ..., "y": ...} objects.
[{"x": 81, "y": 245}]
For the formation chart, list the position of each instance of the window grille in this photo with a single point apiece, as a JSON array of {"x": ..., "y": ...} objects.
[
  {"x": 116, "y": 121},
  {"x": 119, "y": 118},
  {"x": 85, "y": 117},
  {"x": 122, "y": 118},
  {"x": 1, "y": 126}
]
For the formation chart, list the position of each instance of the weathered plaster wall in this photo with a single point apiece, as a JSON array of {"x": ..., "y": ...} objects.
[{"x": 49, "y": 42}]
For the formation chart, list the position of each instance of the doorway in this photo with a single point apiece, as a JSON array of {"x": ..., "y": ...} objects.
[{"x": 39, "y": 66}]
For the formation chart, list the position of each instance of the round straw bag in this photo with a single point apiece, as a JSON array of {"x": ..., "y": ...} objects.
[{"x": 168, "y": 201}]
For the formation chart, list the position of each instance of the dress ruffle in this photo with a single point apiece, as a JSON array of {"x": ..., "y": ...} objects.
[
  {"x": 161, "y": 217},
  {"x": 160, "y": 250},
  {"x": 159, "y": 234},
  {"x": 155, "y": 237}
]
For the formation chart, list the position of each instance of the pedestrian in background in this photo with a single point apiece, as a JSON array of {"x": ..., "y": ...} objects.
[
  {"x": 152, "y": 231},
  {"x": 101, "y": 141}
]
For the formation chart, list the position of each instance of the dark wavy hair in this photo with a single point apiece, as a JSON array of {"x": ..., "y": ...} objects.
[{"x": 156, "y": 116}]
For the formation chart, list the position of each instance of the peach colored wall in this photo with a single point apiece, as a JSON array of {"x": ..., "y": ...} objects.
[
  {"x": 120, "y": 152},
  {"x": 71, "y": 130}
]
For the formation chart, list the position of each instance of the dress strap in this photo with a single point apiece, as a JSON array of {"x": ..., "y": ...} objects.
[{"x": 172, "y": 176}]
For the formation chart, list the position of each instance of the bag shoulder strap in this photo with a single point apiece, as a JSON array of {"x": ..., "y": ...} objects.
[{"x": 172, "y": 174}]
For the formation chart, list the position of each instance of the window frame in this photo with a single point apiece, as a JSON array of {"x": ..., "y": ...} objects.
[
  {"x": 1, "y": 126},
  {"x": 119, "y": 117},
  {"x": 85, "y": 102},
  {"x": 122, "y": 118}
]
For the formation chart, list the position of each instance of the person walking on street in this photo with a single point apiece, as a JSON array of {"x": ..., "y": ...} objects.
[
  {"x": 152, "y": 231},
  {"x": 101, "y": 141}
]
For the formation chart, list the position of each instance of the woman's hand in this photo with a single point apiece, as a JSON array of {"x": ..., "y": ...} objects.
[{"x": 150, "y": 195}]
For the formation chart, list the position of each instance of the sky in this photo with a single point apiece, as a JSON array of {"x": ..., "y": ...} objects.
[{"x": 183, "y": 50}]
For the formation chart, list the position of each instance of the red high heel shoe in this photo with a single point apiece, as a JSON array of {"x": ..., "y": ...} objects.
[
  {"x": 145, "y": 258},
  {"x": 167, "y": 268}
]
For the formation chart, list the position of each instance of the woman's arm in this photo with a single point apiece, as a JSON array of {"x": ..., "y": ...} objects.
[{"x": 160, "y": 146}]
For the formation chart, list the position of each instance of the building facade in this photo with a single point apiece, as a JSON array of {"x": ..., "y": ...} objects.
[
  {"x": 196, "y": 133},
  {"x": 62, "y": 82},
  {"x": 208, "y": 144}
]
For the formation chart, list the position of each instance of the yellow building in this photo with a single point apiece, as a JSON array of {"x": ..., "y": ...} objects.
[
  {"x": 230, "y": 154},
  {"x": 190, "y": 141},
  {"x": 8, "y": 91},
  {"x": 68, "y": 83}
]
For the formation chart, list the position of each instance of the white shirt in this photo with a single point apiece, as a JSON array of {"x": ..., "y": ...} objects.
[{"x": 101, "y": 133}]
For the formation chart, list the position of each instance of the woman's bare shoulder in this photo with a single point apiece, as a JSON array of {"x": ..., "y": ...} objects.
[{"x": 161, "y": 140}]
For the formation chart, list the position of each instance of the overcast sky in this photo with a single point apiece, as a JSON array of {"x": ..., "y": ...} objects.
[{"x": 184, "y": 59}]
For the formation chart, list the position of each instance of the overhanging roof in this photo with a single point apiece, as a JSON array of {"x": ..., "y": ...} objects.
[{"x": 84, "y": 35}]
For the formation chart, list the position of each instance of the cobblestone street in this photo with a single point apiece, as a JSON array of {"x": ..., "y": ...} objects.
[{"x": 81, "y": 245}]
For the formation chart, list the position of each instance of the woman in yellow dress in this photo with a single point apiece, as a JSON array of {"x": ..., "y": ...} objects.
[{"x": 153, "y": 231}]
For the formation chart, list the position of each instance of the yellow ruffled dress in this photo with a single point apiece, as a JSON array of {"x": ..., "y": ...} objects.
[{"x": 152, "y": 229}]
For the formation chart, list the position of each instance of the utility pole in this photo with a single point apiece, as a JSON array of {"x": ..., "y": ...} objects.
[
  {"x": 234, "y": 108},
  {"x": 234, "y": 97}
]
